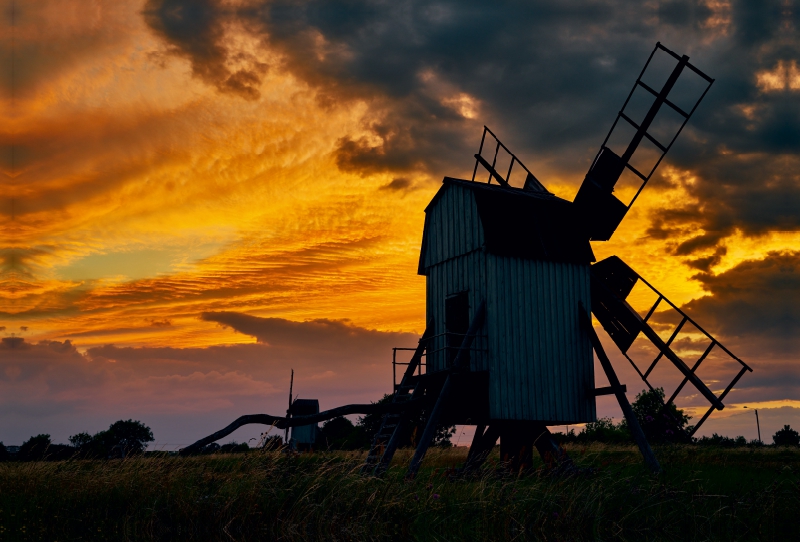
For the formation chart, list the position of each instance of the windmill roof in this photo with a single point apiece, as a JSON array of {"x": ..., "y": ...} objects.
[
  {"x": 304, "y": 407},
  {"x": 530, "y": 224}
]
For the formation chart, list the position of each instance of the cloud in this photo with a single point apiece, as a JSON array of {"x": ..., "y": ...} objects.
[
  {"x": 184, "y": 393},
  {"x": 554, "y": 95},
  {"x": 398, "y": 184},
  {"x": 755, "y": 299}
]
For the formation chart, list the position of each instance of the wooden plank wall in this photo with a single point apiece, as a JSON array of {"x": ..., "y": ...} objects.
[{"x": 541, "y": 362}]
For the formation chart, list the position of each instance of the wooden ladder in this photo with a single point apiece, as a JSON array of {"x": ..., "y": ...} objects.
[{"x": 387, "y": 438}]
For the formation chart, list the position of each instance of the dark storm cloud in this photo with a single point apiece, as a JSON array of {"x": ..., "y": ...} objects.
[
  {"x": 754, "y": 299},
  {"x": 535, "y": 68},
  {"x": 549, "y": 75}
]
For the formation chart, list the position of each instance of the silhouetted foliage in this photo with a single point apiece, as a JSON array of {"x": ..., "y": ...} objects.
[
  {"x": 35, "y": 448},
  {"x": 660, "y": 423},
  {"x": 786, "y": 437},
  {"x": 80, "y": 440},
  {"x": 122, "y": 438},
  {"x": 372, "y": 423},
  {"x": 724, "y": 442},
  {"x": 340, "y": 434},
  {"x": 604, "y": 430},
  {"x": 233, "y": 447},
  {"x": 4, "y": 455}
]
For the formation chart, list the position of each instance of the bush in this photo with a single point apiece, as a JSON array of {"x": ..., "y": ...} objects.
[
  {"x": 233, "y": 447},
  {"x": 786, "y": 437},
  {"x": 604, "y": 430}
]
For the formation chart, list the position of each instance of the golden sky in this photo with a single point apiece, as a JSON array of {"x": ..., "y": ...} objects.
[{"x": 165, "y": 160}]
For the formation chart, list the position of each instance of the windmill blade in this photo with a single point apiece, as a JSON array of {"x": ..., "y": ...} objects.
[
  {"x": 601, "y": 210},
  {"x": 612, "y": 282}
]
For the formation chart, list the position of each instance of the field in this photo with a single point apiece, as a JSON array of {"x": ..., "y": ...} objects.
[{"x": 705, "y": 494}]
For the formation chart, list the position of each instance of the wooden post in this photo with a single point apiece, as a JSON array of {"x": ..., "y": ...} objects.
[
  {"x": 547, "y": 447},
  {"x": 430, "y": 429},
  {"x": 633, "y": 423},
  {"x": 481, "y": 447}
]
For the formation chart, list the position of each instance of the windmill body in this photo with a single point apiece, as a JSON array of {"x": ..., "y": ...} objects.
[{"x": 518, "y": 250}]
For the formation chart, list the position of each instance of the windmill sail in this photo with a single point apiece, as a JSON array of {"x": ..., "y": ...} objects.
[
  {"x": 601, "y": 210},
  {"x": 612, "y": 282}
]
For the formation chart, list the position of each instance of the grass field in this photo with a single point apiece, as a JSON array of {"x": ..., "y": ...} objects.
[{"x": 705, "y": 494}]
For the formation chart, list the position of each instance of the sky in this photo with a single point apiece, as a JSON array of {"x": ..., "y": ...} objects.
[{"x": 200, "y": 195}]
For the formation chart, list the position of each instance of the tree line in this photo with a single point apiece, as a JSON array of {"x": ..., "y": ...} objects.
[
  {"x": 661, "y": 424},
  {"x": 664, "y": 424},
  {"x": 122, "y": 439}
]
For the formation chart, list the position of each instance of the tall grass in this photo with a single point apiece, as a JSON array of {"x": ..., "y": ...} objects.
[{"x": 705, "y": 495}]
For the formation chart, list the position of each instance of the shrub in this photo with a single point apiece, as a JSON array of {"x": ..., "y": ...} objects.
[
  {"x": 604, "y": 430},
  {"x": 786, "y": 437}
]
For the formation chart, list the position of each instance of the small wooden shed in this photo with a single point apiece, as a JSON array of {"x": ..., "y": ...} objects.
[
  {"x": 304, "y": 437},
  {"x": 519, "y": 251}
]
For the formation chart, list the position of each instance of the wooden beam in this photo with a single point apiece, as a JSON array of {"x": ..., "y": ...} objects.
[
  {"x": 430, "y": 429},
  {"x": 607, "y": 390},
  {"x": 633, "y": 423}
]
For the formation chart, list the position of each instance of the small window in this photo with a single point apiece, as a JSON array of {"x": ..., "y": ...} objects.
[{"x": 456, "y": 322}]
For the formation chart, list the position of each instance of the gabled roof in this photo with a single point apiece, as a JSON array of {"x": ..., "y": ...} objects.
[
  {"x": 304, "y": 407},
  {"x": 522, "y": 223}
]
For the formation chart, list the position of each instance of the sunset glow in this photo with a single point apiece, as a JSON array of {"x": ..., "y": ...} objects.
[{"x": 174, "y": 172}]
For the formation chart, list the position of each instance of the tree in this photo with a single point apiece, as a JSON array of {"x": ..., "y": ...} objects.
[
  {"x": 81, "y": 440},
  {"x": 4, "y": 455},
  {"x": 371, "y": 423},
  {"x": 660, "y": 423},
  {"x": 340, "y": 434},
  {"x": 122, "y": 438},
  {"x": 34, "y": 448},
  {"x": 131, "y": 436},
  {"x": 786, "y": 437}
]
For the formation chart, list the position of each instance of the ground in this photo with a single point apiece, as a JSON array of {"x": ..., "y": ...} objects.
[{"x": 705, "y": 494}]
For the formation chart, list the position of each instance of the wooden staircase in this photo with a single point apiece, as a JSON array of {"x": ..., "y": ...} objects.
[{"x": 386, "y": 440}]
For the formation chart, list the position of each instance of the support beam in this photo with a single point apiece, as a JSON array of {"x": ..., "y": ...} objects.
[
  {"x": 481, "y": 448},
  {"x": 430, "y": 429},
  {"x": 607, "y": 390},
  {"x": 633, "y": 423},
  {"x": 549, "y": 449}
]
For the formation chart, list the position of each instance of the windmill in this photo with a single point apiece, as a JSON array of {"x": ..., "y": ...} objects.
[{"x": 511, "y": 285}]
